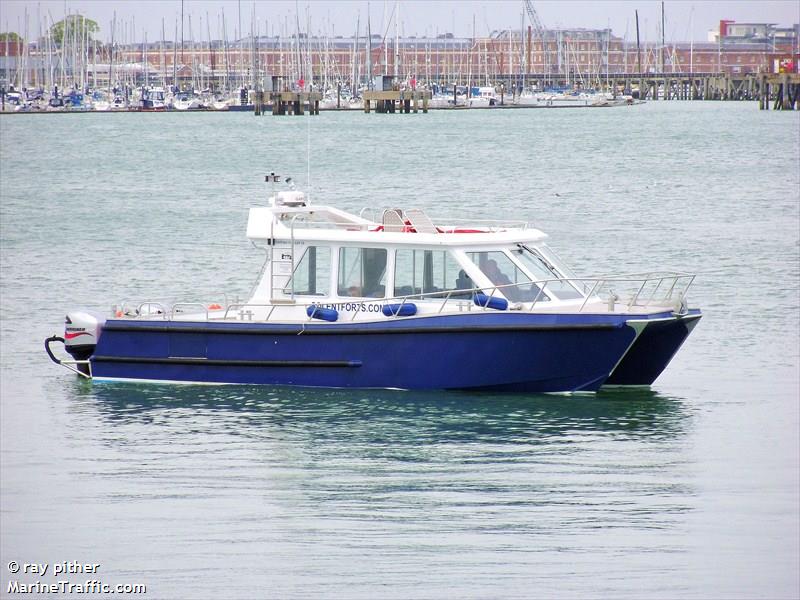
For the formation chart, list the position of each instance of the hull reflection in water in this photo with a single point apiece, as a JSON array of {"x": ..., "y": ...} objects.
[
  {"x": 425, "y": 416},
  {"x": 325, "y": 488}
]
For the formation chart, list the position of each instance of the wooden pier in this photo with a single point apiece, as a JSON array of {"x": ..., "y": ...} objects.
[
  {"x": 288, "y": 103},
  {"x": 778, "y": 89},
  {"x": 784, "y": 92},
  {"x": 781, "y": 89},
  {"x": 400, "y": 101}
]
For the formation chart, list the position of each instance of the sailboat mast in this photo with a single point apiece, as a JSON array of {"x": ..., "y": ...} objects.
[
  {"x": 211, "y": 61},
  {"x": 239, "y": 36},
  {"x": 354, "y": 61},
  {"x": 369, "y": 51},
  {"x": 175, "y": 59},
  {"x": 161, "y": 63},
  {"x": 691, "y": 41},
  {"x": 662, "y": 38},
  {"x": 111, "y": 59},
  {"x": 638, "y": 48},
  {"x": 397, "y": 39}
]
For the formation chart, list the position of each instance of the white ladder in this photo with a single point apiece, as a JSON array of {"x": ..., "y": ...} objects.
[{"x": 281, "y": 265}]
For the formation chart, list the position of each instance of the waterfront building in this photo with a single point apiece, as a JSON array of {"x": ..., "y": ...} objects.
[{"x": 515, "y": 58}]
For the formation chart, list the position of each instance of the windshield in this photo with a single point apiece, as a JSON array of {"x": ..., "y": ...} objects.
[
  {"x": 542, "y": 270},
  {"x": 502, "y": 271}
]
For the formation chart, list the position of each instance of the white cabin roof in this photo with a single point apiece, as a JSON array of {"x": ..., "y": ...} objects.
[{"x": 307, "y": 223}]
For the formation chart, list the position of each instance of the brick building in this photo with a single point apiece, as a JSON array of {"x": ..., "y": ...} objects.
[{"x": 563, "y": 55}]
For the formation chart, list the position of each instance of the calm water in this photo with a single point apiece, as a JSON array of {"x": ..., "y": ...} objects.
[{"x": 689, "y": 490}]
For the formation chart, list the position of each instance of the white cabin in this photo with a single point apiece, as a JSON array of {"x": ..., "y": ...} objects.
[{"x": 320, "y": 255}]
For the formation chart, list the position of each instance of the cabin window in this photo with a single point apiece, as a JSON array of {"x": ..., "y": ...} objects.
[
  {"x": 542, "y": 270},
  {"x": 362, "y": 272},
  {"x": 427, "y": 271},
  {"x": 511, "y": 281},
  {"x": 312, "y": 274}
]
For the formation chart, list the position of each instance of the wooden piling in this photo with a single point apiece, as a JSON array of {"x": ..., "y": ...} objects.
[
  {"x": 396, "y": 101},
  {"x": 294, "y": 103},
  {"x": 785, "y": 103}
]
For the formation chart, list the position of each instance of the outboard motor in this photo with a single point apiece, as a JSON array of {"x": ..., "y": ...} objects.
[{"x": 81, "y": 332}]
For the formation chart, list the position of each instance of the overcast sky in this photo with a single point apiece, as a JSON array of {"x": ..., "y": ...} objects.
[{"x": 685, "y": 19}]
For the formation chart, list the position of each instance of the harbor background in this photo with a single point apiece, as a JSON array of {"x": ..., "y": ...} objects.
[
  {"x": 688, "y": 490},
  {"x": 78, "y": 64}
]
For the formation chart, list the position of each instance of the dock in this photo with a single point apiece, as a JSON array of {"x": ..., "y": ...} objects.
[
  {"x": 400, "y": 101},
  {"x": 785, "y": 91},
  {"x": 292, "y": 103},
  {"x": 782, "y": 90},
  {"x": 772, "y": 91}
]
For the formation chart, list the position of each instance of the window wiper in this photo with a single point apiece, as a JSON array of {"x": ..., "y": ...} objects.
[{"x": 543, "y": 259}]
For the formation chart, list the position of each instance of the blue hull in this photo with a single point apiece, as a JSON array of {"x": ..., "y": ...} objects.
[
  {"x": 653, "y": 350},
  {"x": 514, "y": 352}
]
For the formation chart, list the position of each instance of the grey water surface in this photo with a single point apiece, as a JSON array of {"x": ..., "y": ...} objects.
[{"x": 688, "y": 490}]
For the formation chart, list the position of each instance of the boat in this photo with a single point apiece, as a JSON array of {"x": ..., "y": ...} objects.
[
  {"x": 612, "y": 99},
  {"x": 187, "y": 101},
  {"x": 329, "y": 102},
  {"x": 100, "y": 101},
  {"x": 101, "y": 105},
  {"x": 355, "y": 103},
  {"x": 483, "y": 97},
  {"x": 152, "y": 99},
  {"x": 396, "y": 300},
  {"x": 565, "y": 99},
  {"x": 118, "y": 103},
  {"x": 75, "y": 101},
  {"x": 221, "y": 104},
  {"x": 573, "y": 99},
  {"x": 444, "y": 96},
  {"x": 13, "y": 102},
  {"x": 445, "y": 101},
  {"x": 527, "y": 98}
]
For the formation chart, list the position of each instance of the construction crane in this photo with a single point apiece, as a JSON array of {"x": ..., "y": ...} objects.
[
  {"x": 534, "y": 17},
  {"x": 538, "y": 28}
]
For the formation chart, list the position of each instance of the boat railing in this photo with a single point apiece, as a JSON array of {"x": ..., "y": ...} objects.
[
  {"x": 149, "y": 308},
  {"x": 245, "y": 309},
  {"x": 490, "y": 225},
  {"x": 185, "y": 307},
  {"x": 639, "y": 290},
  {"x": 625, "y": 292},
  {"x": 300, "y": 221},
  {"x": 621, "y": 293}
]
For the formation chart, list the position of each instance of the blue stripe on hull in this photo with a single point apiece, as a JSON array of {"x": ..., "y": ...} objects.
[
  {"x": 653, "y": 350},
  {"x": 511, "y": 352}
]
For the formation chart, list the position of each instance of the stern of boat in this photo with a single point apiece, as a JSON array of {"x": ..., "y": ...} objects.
[{"x": 82, "y": 329}]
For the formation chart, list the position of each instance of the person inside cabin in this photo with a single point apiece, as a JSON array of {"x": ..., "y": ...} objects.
[
  {"x": 495, "y": 275},
  {"x": 463, "y": 282}
]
